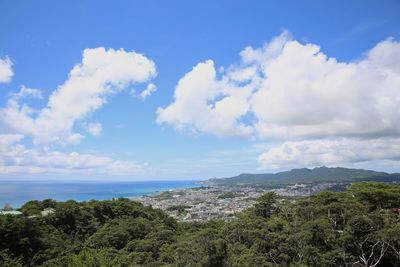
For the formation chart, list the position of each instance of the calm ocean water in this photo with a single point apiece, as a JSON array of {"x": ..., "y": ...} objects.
[{"x": 17, "y": 193}]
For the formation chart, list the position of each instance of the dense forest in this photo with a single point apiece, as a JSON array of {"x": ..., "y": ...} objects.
[{"x": 359, "y": 227}]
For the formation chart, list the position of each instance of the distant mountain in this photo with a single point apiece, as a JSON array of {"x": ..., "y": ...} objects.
[{"x": 304, "y": 175}]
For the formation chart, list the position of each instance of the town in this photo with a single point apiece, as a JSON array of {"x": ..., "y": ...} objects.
[{"x": 205, "y": 203}]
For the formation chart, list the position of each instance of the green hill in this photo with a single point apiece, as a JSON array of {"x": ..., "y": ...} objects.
[{"x": 304, "y": 175}]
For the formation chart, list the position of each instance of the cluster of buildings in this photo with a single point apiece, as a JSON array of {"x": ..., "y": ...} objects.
[
  {"x": 202, "y": 204},
  {"x": 10, "y": 211},
  {"x": 302, "y": 190}
]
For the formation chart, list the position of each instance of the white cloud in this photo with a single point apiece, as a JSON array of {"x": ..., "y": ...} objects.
[
  {"x": 268, "y": 52},
  {"x": 307, "y": 94},
  {"x": 6, "y": 72},
  {"x": 293, "y": 92},
  {"x": 204, "y": 103},
  {"x": 15, "y": 158},
  {"x": 17, "y": 118},
  {"x": 100, "y": 74},
  {"x": 150, "y": 89},
  {"x": 27, "y": 92},
  {"x": 94, "y": 128},
  {"x": 74, "y": 139},
  {"x": 331, "y": 152}
]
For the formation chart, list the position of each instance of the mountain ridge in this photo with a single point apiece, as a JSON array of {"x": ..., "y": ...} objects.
[{"x": 306, "y": 175}]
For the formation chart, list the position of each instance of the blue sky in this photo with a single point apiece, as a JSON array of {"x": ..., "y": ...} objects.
[{"x": 235, "y": 109}]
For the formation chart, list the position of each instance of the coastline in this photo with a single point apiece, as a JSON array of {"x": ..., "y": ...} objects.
[{"x": 16, "y": 193}]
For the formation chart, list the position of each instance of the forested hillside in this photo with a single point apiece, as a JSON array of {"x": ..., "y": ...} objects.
[
  {"x": 304, "y": 175},
  {"x": 359, "y": 227}
]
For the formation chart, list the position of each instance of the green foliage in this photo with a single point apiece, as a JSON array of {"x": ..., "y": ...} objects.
[
  {"x": 7, "y": 261},
  {"x": 34, "y": 207},
  {"x": 377, "y": 195},
  {"x": 359, "y": 227},
  {"x": 316, "y": 175},
  {"x": 31, "y": 208},
  {"x": 265, "y": 205}
]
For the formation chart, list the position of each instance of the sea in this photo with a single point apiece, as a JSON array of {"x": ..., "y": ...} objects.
[{"x": 16, "y": 193}]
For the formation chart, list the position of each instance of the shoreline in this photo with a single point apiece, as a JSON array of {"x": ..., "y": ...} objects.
[{"x": 17, "y": 193}]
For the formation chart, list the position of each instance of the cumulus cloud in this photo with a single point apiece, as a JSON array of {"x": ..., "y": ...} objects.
[
  {"x": 15, "y": 158},
  {"x": 94, "y": 128},
  {"x": 290, "y": 91},
  {"x": 100, "y": 74},
  {"x": 305, "y": 93},
  {"x": 268, "y": 51},
  {"x": 6, "y": 71},
  {"x": 74, "y": 139},
  {"x": 204, "y": 103},
  {"x": 331, "y": 152},
  {"x": 150, "y": 89},
  {"x": 27, "y": 92}
]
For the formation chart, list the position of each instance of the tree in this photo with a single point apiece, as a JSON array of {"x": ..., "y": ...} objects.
[
  {"x": 377, "y": 195},
  {"x": 354, "y": 228},
  {"x": 266, "y": 204},
  {"x": 32, "y": 207}
]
